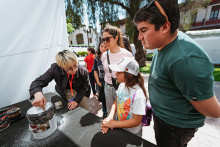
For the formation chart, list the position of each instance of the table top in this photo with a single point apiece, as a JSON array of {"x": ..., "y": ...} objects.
[{"x": 78, "y": 128}]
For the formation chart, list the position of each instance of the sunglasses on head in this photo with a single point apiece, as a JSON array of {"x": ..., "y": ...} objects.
[
  {"x": 150, "y": 2},
  {"x": 106, "y": 39}
]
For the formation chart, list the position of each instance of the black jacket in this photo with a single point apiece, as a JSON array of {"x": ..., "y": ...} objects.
[{"x": 80, "y": 82}]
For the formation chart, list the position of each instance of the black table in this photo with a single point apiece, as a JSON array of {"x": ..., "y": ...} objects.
[{"x": 76, "y": 128}]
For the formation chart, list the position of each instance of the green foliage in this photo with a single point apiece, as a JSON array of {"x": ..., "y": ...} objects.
[
  {"x": 81, "y": 46},
  {"x": 109, "y": 11},
  {"x": 149, "y": 56},
  {"x": 70, "y": 28},
  {"x": 74, "y": 12},
  {"x": 145, "y": 69},
  {"x": 82, "y": 53},
  {"x": 216, "y": 74}
]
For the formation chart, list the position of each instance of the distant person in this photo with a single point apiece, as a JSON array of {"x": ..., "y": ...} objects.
[
  {"x": 126, "y": 43},
  {"x": 113, "y": 39},
  {"x": 131, "y": 98},
  {"x": 180, "y": 83},
  {"x": 72, "y": 82},
  {"x": 89, "y": 60},
  {"x": 99, "y": 76}
]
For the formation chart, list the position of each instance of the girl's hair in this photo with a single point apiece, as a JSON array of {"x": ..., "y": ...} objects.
[
  {"x": 66, "y": 59},
  {"x": 91, "y": 49},
  {"x": 98, "y": 52},
  {"x": 115, "y": 31},
  {"x": 131, "y": 80},
  {"x": 127, "y": 45}
]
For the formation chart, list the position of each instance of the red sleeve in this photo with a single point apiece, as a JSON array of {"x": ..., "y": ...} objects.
[{"x": 86, "y": 58}]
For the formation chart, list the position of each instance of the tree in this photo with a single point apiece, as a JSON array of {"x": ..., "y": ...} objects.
[
  {"x": 74, "y": 12},
  {"x": 70, "y": 28},
  {"x": 108, "y": 12}
]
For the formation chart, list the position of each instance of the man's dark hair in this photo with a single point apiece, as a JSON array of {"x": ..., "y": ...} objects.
[{"x": 154, "y": 16}]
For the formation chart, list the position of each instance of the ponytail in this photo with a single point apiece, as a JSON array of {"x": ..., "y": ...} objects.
[{"x": 131, "y": 80}]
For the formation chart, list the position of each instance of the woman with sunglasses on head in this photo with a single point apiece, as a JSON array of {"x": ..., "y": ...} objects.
[
  {"x": 72, "y": 82},
  {"x": 113, "y": 39}
]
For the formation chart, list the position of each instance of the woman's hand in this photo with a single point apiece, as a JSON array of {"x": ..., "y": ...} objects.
[
  {"x": 39, "y": 100},
  {"x": 100, "y": 84},
  {"x": 72, "y": 105},
  {"x": 106, "y": 124},
  {"x": 104, "y": 130}
]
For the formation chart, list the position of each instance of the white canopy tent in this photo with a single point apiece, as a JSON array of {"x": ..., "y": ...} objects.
[{"x": 31, "y": 33}]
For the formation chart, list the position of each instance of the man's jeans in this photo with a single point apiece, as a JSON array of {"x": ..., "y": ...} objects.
[{"x": 170, "y": 136}]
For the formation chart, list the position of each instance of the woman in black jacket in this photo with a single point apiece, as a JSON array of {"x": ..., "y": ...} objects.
[{"x": 72, "y": 82}]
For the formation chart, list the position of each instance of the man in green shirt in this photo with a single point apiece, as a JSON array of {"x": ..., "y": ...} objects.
[{"x": 181, "y": 82}]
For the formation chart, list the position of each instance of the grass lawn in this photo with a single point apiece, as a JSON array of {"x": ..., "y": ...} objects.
[
  {"x": 145, "y": 69},
  {"x": 216, "y": 73}
]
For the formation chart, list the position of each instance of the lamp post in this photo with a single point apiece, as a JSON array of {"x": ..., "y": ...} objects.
[{"x": 87, "y": 31}]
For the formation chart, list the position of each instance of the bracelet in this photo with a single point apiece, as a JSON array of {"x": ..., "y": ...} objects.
[{"x": 72, "y": 99}]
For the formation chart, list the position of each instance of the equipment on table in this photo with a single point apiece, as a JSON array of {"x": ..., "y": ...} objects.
[{"x": 42, "y": 122}]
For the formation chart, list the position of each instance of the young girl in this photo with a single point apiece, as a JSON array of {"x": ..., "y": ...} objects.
[
  {"x": 131, "y": 98},
  {"x": 89, "y": 60},
  {"x": 113, "y": 39},
  {"x": 99, "y": 76}
]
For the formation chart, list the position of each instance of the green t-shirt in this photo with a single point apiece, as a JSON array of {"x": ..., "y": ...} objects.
[{"x": 180, "y": 72}]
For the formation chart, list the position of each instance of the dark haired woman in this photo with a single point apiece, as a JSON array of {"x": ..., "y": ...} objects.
[
  {"x": 89, "y": 60},
  {"x": 99, "y": 76}
]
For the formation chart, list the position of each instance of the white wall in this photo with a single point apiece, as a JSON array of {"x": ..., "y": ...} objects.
[
  {"x": 210, "y": 41},
  {"x": 32, "y": 31},
  {"x": 93, "y": 35},
  {"x": 200, "y": 15}
]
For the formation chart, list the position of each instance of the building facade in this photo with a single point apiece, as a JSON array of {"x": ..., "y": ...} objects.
[
  {"x": 79, "y": 37},
  {"x": 205, "y": 18}
]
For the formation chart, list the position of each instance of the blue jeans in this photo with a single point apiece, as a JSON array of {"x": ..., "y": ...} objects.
[
  {"x": 110, "y": 96},
  {"x": 170, "y": 136}
]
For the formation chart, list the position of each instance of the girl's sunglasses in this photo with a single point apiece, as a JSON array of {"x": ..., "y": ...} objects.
[
  {"x": 150, "y": 2},
  {"x": 106, "y": 39}
]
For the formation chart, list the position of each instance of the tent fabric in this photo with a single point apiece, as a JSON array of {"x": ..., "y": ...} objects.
[{"x": 32, "y": 32}]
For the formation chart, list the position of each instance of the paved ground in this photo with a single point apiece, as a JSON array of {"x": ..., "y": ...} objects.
[{"x": 206, "y": 136}]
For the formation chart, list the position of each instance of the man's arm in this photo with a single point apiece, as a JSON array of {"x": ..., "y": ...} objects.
[{"x": 209, "y": 107}]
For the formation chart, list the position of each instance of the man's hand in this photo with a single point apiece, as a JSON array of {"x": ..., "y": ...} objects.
[
  {"x": 39, "y": 100},
  {"x": 72, "y": 105}
]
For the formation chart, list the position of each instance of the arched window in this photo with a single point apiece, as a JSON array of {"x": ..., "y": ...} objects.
[{"x": 79, "y": 39}]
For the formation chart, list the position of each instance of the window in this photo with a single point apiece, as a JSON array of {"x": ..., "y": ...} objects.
[
  {"x": 90, "y": 40},
  {"x": 79, "y": 39},
  {"x": 71, "y": 42},
  {"x": 214, "y": 13}
]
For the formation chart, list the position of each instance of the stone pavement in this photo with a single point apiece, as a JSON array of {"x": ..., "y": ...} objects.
[{"x": 206, "y": 136}]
